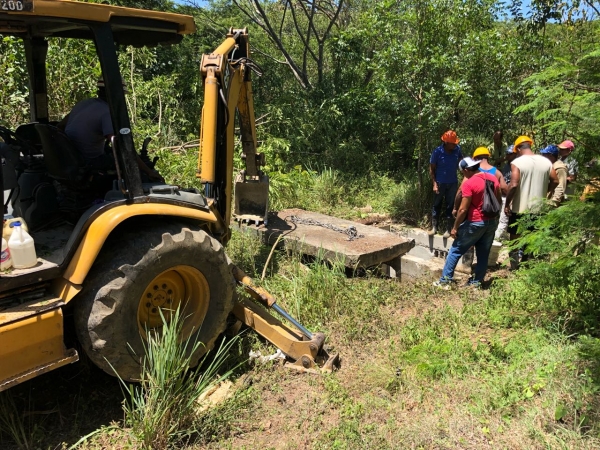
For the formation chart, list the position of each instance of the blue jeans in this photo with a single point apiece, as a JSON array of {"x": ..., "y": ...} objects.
[
  {"x": 479, "y": 234},
  {"x": 446, "y": 191}
]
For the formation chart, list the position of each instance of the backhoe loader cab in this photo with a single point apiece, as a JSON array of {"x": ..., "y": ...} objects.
[{"x": 123, "y": 258}]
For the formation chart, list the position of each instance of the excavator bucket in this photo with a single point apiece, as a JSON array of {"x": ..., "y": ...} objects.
[{"x": 251, "y": 199}]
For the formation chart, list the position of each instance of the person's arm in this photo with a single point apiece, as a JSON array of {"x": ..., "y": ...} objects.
[
  {"x": 432, "y": 168},
  {"x": 557, "y": 195},
  {"x": 503, "y": 185},
  {"x": 465, "y": 203},
  {"x": 515, "y": 179},
  {"x": 458, "y": 199},
  {"x": 572, "y": 170},
  {"x": 553, "y": 182},
  {"x": 498, "y": 191}
]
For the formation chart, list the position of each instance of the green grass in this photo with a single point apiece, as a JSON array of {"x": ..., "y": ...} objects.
[
  {"x": 508, "y": 367},
  {"x": 457, "y": 364}
]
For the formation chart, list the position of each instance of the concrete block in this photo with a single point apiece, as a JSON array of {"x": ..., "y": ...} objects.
[
  {"x": 439, "y": 247},
  {"x": 392, "y": 268},
  {"x": 419, "y": 251},
  {"x": 419, "y": 268},
  {"x": 388, "y": 271}
]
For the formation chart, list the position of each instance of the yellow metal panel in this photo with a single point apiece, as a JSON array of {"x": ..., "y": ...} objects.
[
  {"x": 94, "y": 238},
  {"x": 96, "y": 12},
  {"x": 29, "y": 309},
  {"x": 227, "y": 45},
  {"x": 64, "y": 290},
  {"x": 30, "y": 343}
]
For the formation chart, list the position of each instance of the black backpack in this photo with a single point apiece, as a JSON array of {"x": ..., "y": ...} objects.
[{"x": 491, "y": 205}]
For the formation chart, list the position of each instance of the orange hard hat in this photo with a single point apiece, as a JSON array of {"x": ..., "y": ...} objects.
[{"x": 450, "y": 137}]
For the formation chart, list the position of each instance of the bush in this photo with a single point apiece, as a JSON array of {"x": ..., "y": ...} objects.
[{"x": 563, "y": 282}]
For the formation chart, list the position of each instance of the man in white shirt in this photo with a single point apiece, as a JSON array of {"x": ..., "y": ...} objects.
[{"x": 531, "y": 178}]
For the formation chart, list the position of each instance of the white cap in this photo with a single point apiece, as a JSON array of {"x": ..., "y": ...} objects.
[{"x": 468, "y": 163}]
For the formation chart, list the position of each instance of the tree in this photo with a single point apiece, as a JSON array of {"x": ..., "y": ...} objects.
[{"x": 308, "y": 22}]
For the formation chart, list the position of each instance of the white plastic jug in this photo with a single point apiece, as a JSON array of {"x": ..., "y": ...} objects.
[
  {"x": 22, "y": 248},
  {"x": 5, "y": 259},
  {"x": 8, "y": 227}
]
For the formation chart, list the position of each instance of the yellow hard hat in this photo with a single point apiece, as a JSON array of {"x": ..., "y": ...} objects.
[
  {"x": 520, "y": 140},
  {"x": 481, "y": 151}
]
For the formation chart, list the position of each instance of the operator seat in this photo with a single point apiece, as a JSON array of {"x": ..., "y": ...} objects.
[
  {"x": 28, "y": 133},
  {"x": 64, "y": 162}
]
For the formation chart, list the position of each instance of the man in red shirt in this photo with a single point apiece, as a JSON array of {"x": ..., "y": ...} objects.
[{"x": 471, "y": 227}]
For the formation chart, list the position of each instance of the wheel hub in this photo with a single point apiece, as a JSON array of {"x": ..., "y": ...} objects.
[{"x": 181, "y": 287}]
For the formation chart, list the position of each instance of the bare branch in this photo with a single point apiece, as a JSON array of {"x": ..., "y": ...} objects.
[
  {"x": 300, "y": 76},
  {"x": 309, "y": 16},
  {"x": 272, "y": 58},
  {"x": 300, "y": 33},
  {"x": 250, "y": 16},
  {"x": 591, "y": 5},
  {"x": 310, "y": 26},
  {"x": 285, "y": 7},
  {"x": 307, "y": 26},
  {"x": 332, "y": 22}
]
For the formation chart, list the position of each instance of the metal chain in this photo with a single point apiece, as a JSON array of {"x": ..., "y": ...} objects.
[{"x": 351, "y": 231}]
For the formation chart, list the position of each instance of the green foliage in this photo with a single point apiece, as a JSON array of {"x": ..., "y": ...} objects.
[
  {"x": 13, "y": 92},
  {"x": 162, "y": 410},
  {"x": 178, "y": 166},
  {"x": 562, "y": 284},
  {"x": 564, "y": 100}
]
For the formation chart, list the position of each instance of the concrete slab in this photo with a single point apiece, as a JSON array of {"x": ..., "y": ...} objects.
[{"x": 376, "y": 246}]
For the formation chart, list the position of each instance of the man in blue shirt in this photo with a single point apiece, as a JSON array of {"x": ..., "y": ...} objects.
[
  {"x": 89, "y": 127},
  {"x": 443, "y": 167}
]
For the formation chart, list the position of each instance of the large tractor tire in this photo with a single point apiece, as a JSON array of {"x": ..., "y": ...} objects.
[{"x": 141, "y": 273}]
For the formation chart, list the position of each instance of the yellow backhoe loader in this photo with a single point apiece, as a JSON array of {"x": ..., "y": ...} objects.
[{"x": 141, "y": 249}]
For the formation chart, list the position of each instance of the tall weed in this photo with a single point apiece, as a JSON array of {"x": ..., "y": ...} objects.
[
  {"x": 313, "y": 292},
  {"x": 410, "y": 203},
  {"x": 12, "y": 423},
  {"x": 162, "y": 410}
]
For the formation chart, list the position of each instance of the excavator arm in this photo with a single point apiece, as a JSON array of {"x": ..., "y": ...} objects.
[{"x": 228, "y": 90}]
